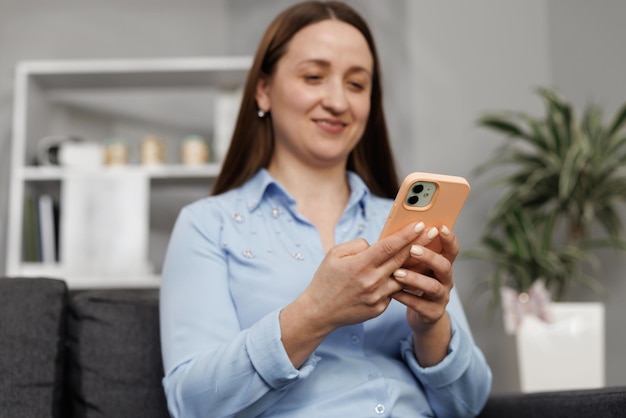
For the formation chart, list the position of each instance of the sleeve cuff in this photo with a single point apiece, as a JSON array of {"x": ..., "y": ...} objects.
[
  {"x": 450, "y": 368},
  {"x": 268, "y": 355}
]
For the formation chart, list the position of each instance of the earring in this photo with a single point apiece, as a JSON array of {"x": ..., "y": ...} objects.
[{"x": 260, "y": 113}]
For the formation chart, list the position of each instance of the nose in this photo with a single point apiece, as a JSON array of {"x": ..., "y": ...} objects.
[{"x": 335, "y": 99}]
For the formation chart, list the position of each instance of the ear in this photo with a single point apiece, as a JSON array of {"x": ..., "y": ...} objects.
[{"x": 262, "y": 94}]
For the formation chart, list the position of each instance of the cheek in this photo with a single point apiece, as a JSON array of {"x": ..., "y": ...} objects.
[
  {"x": 296, "y": 99},
  {"x": 361, "y": 109}
]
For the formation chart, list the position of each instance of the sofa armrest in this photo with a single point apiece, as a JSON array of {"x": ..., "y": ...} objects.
[
  {"x": 601, "y": 403},
  {"x": 32, "y": 338}
]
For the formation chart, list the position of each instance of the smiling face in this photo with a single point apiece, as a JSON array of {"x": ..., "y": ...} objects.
[{"x": 319, "y": 95}]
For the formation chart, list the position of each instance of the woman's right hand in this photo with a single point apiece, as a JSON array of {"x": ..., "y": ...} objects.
[{"x": 351, "y": 285}]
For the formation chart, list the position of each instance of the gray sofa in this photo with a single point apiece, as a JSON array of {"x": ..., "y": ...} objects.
[
  {"x": 80, "y": 353},
  {"x": 96, "y": 354}
]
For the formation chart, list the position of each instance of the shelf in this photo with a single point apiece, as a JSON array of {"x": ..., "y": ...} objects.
[
  {"x": 30, "y": 270},
  {"x": 179, "y": 171},
  {"x": 114, "y": 221},
  {"x": 227, "y": 71}
]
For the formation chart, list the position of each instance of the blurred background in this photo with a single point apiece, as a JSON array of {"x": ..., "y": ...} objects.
[{"x": 444, "y": 64}]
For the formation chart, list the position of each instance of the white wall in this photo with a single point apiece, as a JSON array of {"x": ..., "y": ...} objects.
[{"x": 587, "y": 50}]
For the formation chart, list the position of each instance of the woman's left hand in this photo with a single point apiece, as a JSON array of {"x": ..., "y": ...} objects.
[{"x": 427, "y": 282}]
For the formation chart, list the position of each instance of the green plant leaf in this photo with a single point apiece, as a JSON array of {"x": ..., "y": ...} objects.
[
  {"x": 562, "y": 181},
  {"x": 503, "y": 125},
  {"x": 618, "y": 121},
  {"x": 569, "y": 172}
]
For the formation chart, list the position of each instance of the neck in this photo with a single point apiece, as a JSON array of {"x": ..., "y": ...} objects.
[
  {"x": 312, "y": 186},
  {"x": 321, "y": 193}
]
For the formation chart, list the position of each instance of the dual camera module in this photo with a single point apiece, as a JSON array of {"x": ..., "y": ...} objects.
[{"x": 420, "y": 194}]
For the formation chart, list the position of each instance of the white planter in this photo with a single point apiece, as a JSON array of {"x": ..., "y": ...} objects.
[{"x": 567, "y": 353}]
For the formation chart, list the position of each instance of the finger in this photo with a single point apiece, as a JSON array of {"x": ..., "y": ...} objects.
[
  {"x": 440, "y": 266},
  {"x": 415, "y": 292},
  {"x": 420, "y": 285},
  {"x": 390, "y": 287},
  {"x": 417, "y": 303},
  {"x": 449, "y": 243},
  {"x": 389, "y": 247},
  {"x": 408, "y": 285},
  {"x": 428, "y": 237},
  {"x": 428, "y": 310}
]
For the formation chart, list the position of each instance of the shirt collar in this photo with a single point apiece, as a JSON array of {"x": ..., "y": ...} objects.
[
  {"x": 262, "y": 184},
  {"x": 359, "y": 193}
]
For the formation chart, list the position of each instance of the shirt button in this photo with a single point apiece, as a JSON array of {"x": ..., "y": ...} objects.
[
  {"x": 355, "y": 339},
  {"x": 380, "y": 408}
]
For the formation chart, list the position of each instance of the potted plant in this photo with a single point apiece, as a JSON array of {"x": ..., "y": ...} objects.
[{"x": 564, "y": 178}]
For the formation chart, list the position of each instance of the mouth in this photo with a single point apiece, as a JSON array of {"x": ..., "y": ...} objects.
[{"x": 330, "y": 123}]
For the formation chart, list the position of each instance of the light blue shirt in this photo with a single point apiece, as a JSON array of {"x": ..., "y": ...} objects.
[{"x": 233, "y": 262}]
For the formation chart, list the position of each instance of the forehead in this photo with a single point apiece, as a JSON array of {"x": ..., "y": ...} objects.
[{"x": 330, "y": 40}]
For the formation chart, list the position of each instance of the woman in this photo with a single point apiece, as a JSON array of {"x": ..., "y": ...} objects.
[{"x": 273, "y": 302}]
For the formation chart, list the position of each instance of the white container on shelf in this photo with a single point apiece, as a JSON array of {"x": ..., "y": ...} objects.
[
  {"x": 85, "y": 154},
  {"x": 104, "y": 223}
]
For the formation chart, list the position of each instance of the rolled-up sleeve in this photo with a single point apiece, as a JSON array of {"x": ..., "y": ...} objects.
[{"x": 459, "y": 385}]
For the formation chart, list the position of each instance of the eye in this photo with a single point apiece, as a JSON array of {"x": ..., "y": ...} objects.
[
  {"x": 312, "y": 78},
  {"x": 356, "y": 85}
]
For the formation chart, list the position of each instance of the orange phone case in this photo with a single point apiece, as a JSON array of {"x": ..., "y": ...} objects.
[{"x": 448, "y": 197}]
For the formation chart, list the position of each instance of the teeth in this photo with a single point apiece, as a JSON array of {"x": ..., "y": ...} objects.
[{"x": 325, "y": 122}]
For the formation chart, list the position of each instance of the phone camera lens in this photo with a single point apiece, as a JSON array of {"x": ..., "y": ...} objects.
[
  {"x": 418, "y": 188},
  {"x": 413, "y": 200}
]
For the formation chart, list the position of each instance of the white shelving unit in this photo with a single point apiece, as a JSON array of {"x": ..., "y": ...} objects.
[{"x": 100, "y": 99}]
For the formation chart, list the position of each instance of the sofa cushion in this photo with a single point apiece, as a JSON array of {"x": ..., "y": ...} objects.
[
  {"x": 116, "y": 367},
  {"x": 606, "y": 402},
  {"x": 31, "y": 346}
]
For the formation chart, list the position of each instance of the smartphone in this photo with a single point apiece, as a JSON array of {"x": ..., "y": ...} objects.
[{"x": 435, "y": 199}]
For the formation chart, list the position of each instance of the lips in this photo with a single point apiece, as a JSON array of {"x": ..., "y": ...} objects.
[
  {"x": 331, "y": 125},
  {"x": 331, "y": 122}
]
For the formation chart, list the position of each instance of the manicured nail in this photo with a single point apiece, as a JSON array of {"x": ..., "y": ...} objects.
[
  {"x": 445, "y": 230},
  {"x": 432, "y": 233},
  {"x": 419, "y": 227},
  {"x": 399, "y": 273},
  {"x": 417, "y": 250}
]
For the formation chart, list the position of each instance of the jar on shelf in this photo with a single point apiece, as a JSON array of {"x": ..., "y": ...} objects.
[
  {"x": 195, "y": 150},
  {"x": 152, "y": 150},
  {"x": 115, "y": 152}
]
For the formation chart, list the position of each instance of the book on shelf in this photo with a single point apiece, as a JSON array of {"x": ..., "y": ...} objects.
[
  {"x": 47, "y": 228},
  {"x": 40, "y": 229},
  {"x": 30, "y": 234}
]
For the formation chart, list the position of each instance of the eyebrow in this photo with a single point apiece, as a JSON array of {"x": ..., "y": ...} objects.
[{"x": 326, "y": 64}]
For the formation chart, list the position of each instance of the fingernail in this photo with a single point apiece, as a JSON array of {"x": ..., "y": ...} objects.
[
  {"x": 432, "y": 233},
  {"x": 417, "y": 250},
  {"x": 419, "y": 227},
  {"x": 445, "y": 230},
  {"x": 399, "y": 273}
]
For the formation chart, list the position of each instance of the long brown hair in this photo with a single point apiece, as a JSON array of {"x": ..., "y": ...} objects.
[{"x": 252, "y": 143}]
